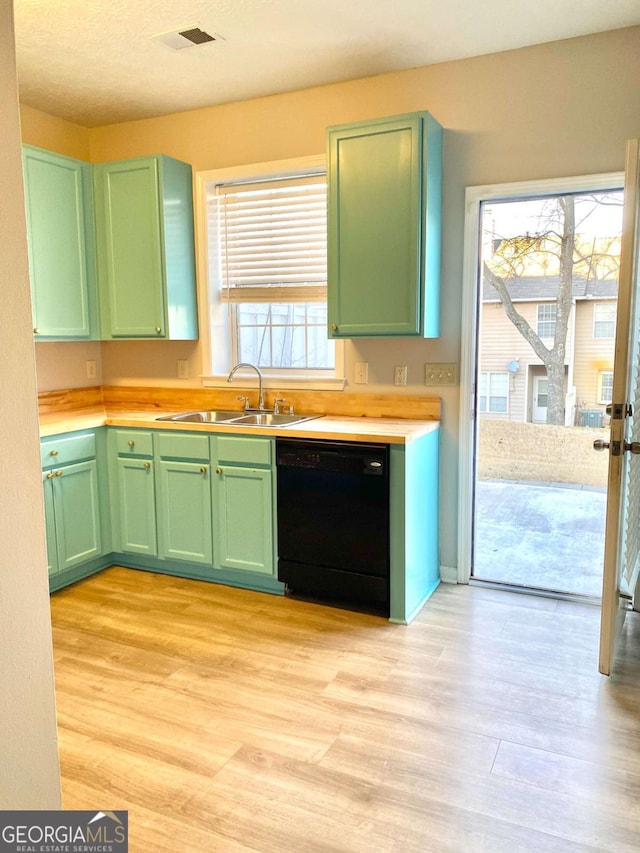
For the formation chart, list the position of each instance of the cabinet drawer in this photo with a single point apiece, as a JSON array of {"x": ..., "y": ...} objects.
[
  {"x": 60, "y": 451},
  {"x": 131, "y": 442},
  {"x": 255, "y": 451},
  {"x": 181, "y": 446}
]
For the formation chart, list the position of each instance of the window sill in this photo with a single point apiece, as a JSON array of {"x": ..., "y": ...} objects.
[{"x": 276, "y": 382}]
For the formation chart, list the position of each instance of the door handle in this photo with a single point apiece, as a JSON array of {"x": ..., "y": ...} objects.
[{"x": 629, "y": 446}]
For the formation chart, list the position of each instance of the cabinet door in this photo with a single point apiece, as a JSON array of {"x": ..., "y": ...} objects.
[
  {"x": 244, "y": 519},
  {"x": 130, "y": 248},
  {"x": 375, "y": 228},
  {"x": 77, "y": 513},
  {"x": 58, "y": 201},
  {"x": 136, "y": 506},
  {"x": 50, "y": 522},
  {"x": 184, "y": 511}
]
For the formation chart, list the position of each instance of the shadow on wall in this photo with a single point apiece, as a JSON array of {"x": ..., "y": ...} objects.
[{"x": 541, "y": 453}]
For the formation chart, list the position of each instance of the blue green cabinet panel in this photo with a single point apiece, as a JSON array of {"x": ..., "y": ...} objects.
[
  {"x": 413, "y": 525},
  {"x": 136, "y": 506},
  {"x": 384, "y": 227},
  {"x": 243, "y": 511},
  {"x": 184, "y": 511},
  {"x": 72, "y": 502},
  {"x": 50, "y": 522},
  {"x": 145, "y": 242},
  {"x": 60, "y": 234}
]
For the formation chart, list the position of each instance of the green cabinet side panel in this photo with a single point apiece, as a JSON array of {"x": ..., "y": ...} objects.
[
  {"x": 77, "y": 514},
  {"x": 136, "y": 506},
  {"x": 243, "y": 519},
  {"x": 384, "y": 227},
  {"x": 414, "y": 525},
  {"x": 432, "y": 155},
  {"x": 184, "y": 511},
  {"x": 129, "y": 251},
  {"x": 179, "y": 248},
  {"x": 60, "y": 232}
]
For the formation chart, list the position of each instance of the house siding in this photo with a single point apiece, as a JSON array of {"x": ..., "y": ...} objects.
[
  {"x": 591, "y": 356},
  {"x": 500, "y": 343}
]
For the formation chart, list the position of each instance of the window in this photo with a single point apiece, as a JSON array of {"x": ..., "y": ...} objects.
[
  {"x": 494, "y": 392},
  {"x": 546, "y": 320},
  {"x": 266, "y": 236},
  {"x": 605, "y": 386},
  {"x": 604, "y": 319}
]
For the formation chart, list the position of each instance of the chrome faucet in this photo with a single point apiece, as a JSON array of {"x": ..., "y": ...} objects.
[{"x": 253, "y": 367}]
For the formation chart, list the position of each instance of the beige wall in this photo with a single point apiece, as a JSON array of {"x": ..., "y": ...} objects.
[
  {"x": 28, "y": 747},
  {"x": 547, "y": 111},
  {"x": 54, "y": 133}
]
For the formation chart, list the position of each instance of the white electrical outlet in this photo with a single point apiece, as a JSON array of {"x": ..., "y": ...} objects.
[
  {"x": 439, "y": 374},
  {"x": 400, "y": 374},
  {"x": 361, "y": 372},
  {"x": 91, "y": 369},
  {"x": 183, "y": 368}
]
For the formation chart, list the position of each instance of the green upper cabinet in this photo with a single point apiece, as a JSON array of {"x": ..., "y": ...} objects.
[
  {"x": 146, "y": 266},
  {"x": 384, "y": 227},
  {"x": 60, "y": 231}
]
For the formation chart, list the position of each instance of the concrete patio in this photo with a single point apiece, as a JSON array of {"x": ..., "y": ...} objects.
[{"x": 542, "y": 535}]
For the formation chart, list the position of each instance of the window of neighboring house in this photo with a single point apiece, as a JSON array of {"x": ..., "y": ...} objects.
[
  {"x": 494, "y": 392},
  {"x": 604, "y": 319},
  {"x": 267, "y": 269},
  {"x": 605, "y": 386},
  {"x": 546, "y": 320}
]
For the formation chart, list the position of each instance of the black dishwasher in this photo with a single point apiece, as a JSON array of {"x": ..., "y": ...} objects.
[{"x": 333, "y": 521}]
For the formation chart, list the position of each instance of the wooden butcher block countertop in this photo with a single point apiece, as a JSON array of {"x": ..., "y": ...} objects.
[{"x": 58, "y": 414}]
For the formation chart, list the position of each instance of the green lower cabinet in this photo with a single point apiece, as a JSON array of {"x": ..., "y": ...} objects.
[
  {"x": 50, "y": 522},
  {"x": 72, "y": 512},
  {"x": 243, "y": 519},
  {"x": 137, "y": 506},
  {"x": 184, "y": 511}
]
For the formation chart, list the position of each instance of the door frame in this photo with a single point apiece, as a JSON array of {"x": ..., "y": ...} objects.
[{"x": 474, "y": 196}]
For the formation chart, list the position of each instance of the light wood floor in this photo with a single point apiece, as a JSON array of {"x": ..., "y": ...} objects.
[{"x": 232, "y": 721}]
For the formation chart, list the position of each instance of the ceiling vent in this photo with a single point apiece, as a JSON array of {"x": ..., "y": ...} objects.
[{"x": 188, "y": 36}]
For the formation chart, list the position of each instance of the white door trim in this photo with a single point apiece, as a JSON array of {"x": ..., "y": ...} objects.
[{"x": 466, "y": 435}]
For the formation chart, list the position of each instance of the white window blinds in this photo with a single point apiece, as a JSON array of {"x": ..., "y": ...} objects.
[{"x": 269, "y": 239}]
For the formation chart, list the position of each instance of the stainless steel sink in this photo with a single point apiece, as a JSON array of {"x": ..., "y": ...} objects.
[
  {"x": 210, "y": 417},
  {"x": 270, "y": 420},
  {"x": 263, "y": 419}
]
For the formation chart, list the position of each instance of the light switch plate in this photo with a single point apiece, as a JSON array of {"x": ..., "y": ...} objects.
[{"x": 439, "y": 374}]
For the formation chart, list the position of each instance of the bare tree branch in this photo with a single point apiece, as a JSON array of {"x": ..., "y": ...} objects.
[{"x": 516, "y": 318}]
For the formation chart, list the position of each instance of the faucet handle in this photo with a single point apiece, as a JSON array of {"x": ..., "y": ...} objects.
[
  {"x": 276, "y": 404},
  {"x": 245, "y": 400}
]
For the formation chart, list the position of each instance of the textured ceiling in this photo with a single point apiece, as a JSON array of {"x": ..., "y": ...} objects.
[{"x": 91, "y": 61}]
